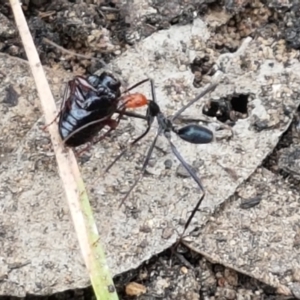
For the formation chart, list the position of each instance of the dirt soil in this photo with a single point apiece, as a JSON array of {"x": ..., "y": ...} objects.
[{"x": 111, "y": 27}]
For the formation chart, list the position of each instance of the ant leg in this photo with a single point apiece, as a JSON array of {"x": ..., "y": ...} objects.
[
  {"x": 196, "y": 179},
  {"x": 185, "y": 165},
  {"x": 188, "y": 222},
  {"x": 132, "y": 114},
  {"x": 142, "y": 172},
  {"x": 127, "y": 148},
  {"x": 142, "y": 82},
  {"x": 149, "y": 119},
  {"x": 211, "y": 87}
]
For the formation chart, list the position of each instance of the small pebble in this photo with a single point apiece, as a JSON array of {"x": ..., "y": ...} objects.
[
  {"x": 296, "y": 289},
  {"x": 118, "y": 52},
  {"x": 168, "y": 164},
  {"x": 181, "y": 171},
  {"x": 296, "y": 274},
  {"x": 135, "y": 289},
  {"x": 183, "y": 270},
  {"x": 229, "y": 293},
  {"x": 231, "y": 277},
  {"x": 167, "y": 233},
  {"x": 182, "y": 68}
]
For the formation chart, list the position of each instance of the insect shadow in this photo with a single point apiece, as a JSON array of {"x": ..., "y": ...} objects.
[{"x": 191, "y": 133}]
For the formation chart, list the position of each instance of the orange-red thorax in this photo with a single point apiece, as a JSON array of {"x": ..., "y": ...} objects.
[{"x": 135, "y": 100}]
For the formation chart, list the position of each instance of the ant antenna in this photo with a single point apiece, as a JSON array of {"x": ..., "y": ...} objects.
[{"x": 210, "y": 88}]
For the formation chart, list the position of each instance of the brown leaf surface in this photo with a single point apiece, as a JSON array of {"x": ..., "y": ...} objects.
[{"x": 259, "y": 241}]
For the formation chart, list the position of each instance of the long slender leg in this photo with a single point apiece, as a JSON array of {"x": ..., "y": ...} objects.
[
  {"x": 127, "y": 148},
  {"x": 196, "y": 179},
  {"x": 142, "y": 172},
  {"x": 148, "y": 117},
  {"x": 86, "y": 148},
  {"x": 132, "y": 114},
  {"x": 185, "y": 165},
  {"x": 150, "y": 120},
  {"x": 180, "y": 158}
]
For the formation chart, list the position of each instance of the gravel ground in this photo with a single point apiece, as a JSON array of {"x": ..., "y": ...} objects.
[{"x": 179, "y": 274}]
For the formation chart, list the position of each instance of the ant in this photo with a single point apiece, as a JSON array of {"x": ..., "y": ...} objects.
[
  {"x": 191, "y": 133},
  {"x": 89, "y": 104}
]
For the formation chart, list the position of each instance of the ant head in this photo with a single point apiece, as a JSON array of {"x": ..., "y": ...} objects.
[{"x": 153, "y": 109}]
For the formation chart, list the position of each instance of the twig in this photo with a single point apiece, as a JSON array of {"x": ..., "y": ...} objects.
[
  {"x": 62, "y": 49},
  {"x": 107, "y": 8},
  {"x": 76, "y": 195}
]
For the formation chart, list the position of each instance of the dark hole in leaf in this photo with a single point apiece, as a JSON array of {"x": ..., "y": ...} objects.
[{"x": 230, "y": 108}]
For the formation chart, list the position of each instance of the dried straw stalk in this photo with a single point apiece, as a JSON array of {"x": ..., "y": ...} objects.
[{"x": 76, "y": 195}]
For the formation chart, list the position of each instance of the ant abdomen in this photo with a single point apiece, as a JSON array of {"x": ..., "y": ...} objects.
[{"x": 195, "y": 134}]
